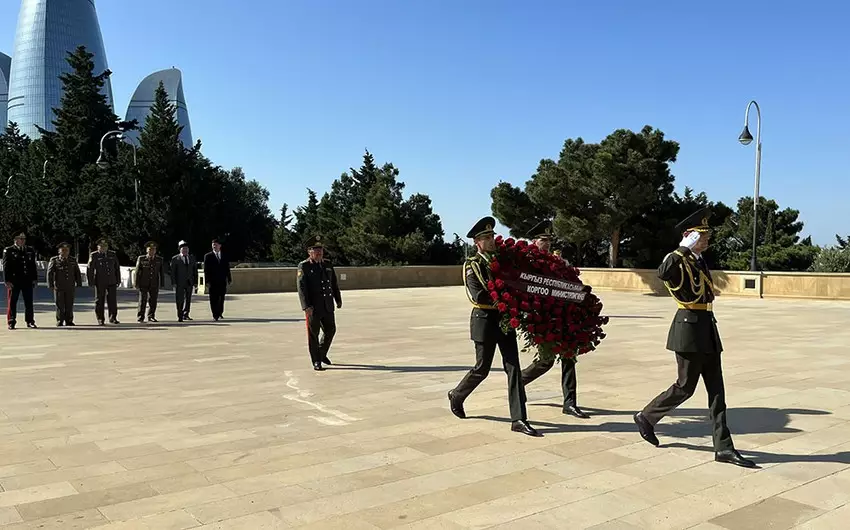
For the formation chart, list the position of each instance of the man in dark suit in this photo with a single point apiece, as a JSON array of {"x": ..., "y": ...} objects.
[
  {"x": 217, "y": 278},
  {"x": 21, "y": 277},
  {"x": 183, "y": 270},
  {"x": 694, "y": 337},
  {"x": 318, "y": 291},
  {"x": 542, "y": 236},
  {"x": 486, "y": 333}
]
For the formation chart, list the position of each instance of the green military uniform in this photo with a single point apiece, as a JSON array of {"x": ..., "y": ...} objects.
[
  {"x": 63, "y": 278},
  {"x": 104, "y": 274},
  {"x": 538, "y": 367},
  {"x": 319, "y": 292},
  {"x": 694, "y": 337},
  {"x": 149, "y": 280},
  {"x": 486, "y": 332}
]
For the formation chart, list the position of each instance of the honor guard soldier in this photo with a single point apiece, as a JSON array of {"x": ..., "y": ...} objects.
[
  {"x": 318, "y": 290},
  {"x": 21, "y": 277},
  {"x": 542, "y": 236},
  {"x": 149, "y": 280},
  {"x": 63, "y": 278},
  {"x": 486, "y": 333},
  {"x": 104, "y": 274},
  {"x": 694, "y": 337}
]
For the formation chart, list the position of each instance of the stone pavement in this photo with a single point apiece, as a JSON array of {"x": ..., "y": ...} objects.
[{"x": 203, "y": 425}]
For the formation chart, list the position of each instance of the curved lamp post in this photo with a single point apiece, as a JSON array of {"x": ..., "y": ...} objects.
[
  {"x": 101, "y": 159},
  {"x": 8, "y": 185},
  {"x": 746, "y": 138}
]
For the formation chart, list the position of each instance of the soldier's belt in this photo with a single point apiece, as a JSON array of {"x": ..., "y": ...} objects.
[
  {"x": 694, "y": 307},
  {"x": 484, "y": 306}
]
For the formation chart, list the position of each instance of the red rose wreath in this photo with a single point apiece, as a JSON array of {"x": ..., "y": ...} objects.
[{"x": 542, "y": 298}]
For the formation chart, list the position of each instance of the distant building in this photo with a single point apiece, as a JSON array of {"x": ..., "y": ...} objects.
[
  {"x": 143, "y": 99},
  {"x": 47, "y": 30},
  {"x": 5, "y": 66}
]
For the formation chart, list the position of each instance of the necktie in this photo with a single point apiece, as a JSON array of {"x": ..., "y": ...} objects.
[{"x": 185, "y": 261}]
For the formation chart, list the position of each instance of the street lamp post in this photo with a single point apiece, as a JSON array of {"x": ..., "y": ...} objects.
[
  {"x": 746, "y": 138},
  {"x": 101, "y": 161},
  {"x": 8, "y": 185}
]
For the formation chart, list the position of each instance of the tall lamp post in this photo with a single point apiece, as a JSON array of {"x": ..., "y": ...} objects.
[
  {"x": 746, "y": 138},
  {"x": 101, "y": 159}
]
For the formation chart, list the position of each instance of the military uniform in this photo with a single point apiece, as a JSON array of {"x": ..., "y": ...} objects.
[
  {"x": 104, "y": 274},
  {"x": 63, "y": 278},
  {"x": 21, "y": 277},
  {"x": 694, "y": 337},
  {"x": 486, "y": 332},
  {"x": 318, "y": 289},
  {"x": 538, "y": 367},
  {"x": 149, "y": 280}
]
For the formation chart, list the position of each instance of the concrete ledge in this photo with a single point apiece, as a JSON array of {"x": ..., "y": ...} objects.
[{"x": 728, "y": 283}]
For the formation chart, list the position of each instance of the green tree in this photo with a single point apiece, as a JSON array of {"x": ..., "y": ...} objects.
[
  {"x": 832, "y": 259},
  {"x": 283, "y": 239}
]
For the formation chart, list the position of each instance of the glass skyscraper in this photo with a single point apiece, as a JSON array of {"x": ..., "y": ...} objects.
[
  {"x": 143, "y": 98},
  {"x": 5, "y": 66},
  {"x": 47, "y": 30}
]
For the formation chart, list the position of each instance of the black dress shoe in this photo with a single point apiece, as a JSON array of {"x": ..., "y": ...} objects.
[
  {"x": 59, "y": 324},
  {"x": 318, "y": 367},
  {"x": 325, "y": 360},
  {"x": 186, "y": 317},
  {"x": 647, "y": 431},
  {"x": 731, "y": 456},
  {"x": 114, "y": 321},
  {"x": 32, "y": 325},
  {"x": 100, "y": 323},
  {"x": 11, "y": 325},
  {"x": 140, "y": 320},
  {"x": 70, "y": 324},
  {"x": 573, "y": 410},
  {"x": 523, "y": 427},
  {"x": 179, "y": 319},
  {"x": 456, "y": 406},
  {"x": 152, "y": 319}
]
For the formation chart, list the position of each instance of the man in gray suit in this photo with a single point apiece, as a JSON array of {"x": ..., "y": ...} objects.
[{"x": 184, "y": 276}]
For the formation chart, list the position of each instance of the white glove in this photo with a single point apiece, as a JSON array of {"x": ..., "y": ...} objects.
[{"x": 690, "y": 240}]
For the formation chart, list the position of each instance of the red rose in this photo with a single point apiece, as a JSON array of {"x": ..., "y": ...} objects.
[
  {"x": 557, "y": 310},
  {"x": 498, "y": 239},
  {"x": 530, "y": 328},
  {"x": 513, "y": 302},
  {"x": 538, "y": 339},
  {"x": 509, "y": 242},
  {"x": 524, "y": 306},
  {"x": 490, "y": 285},
  {"x": 550, "y": 337},
  {"x": 500, "y": 284},
  {"x": 494, "y": 295},
  {"x": 494, "y": 266},
  {"x": 538, "y": 318},
  {"x": 522, "y": 244},
  {"x": 514, "y": 312},
  {"x": 514, "y": 323},
  {"x": 502, "y": 307},
  {"x": 506, "y": 296},
  {"x": 536, "y": 305}
]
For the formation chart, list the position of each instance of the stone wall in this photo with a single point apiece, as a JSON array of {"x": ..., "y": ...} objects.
[{"x": 735, "y": 283}]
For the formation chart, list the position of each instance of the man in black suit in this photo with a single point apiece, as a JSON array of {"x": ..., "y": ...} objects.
[
  {"x": 486, "y": 333},
  {"x": 21, "y": 277},
  {"x": 183, "y": 270},
  {"x": 217, "y": 278},
  {"x": 318, "y": 291},
  {"x": 694, "y": 337}
]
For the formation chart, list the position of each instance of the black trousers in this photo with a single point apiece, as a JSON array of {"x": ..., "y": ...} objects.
[
  {"x": 108, "y": 294},
  {"x": 12, "y": 295},
  {"x": 690, "y": 367},
  {"x": 64, "y": 306},
  {"x": 485, "y": 351},
  {"x": 217, "y": 293},
  {"x": 183, "y": 296},
  {"x": 147, "y": 295},
  {"x": 569, "y": 382},
  {"x": 326, "y": 322}
]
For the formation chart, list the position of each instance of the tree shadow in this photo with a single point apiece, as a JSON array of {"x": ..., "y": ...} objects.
[{"x": 399, "y": 369}]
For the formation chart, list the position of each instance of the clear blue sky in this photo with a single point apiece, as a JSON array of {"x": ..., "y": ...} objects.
[{"x": 462, "y": 94}]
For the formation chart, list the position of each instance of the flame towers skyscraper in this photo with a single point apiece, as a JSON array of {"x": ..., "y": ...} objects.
[{"x": 47, "y": 30}]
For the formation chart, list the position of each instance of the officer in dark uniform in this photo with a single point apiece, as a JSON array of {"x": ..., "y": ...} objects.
[
  {"x": 104, "y": 274},
  {"x": 63, "y": 278},
  {"x": 486, "y": 333},
  {"x": 318, "y": 290},
  {"x": 149, "y": 280},
  {"x": 542, "y": 236},
  {"x": 21, "y": 277},
  {"x": 694, "y": 337}
]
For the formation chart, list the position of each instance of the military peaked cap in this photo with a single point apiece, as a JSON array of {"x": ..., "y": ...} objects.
[
  {"x": 150, "y": 244},
  {"x": 696, "y": 222},
  {"x": 20, "y": 235},
  {"x": 182, "y": 244},
  {"x": 102, "y": 241},
  {"x": 63, "y": 244},
  {"x": 315, "y": 242},
  {"x": 542, "y": 230},
  {"x": 483, "y": 227}
]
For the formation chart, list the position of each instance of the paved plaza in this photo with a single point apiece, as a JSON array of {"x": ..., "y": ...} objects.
[{"x": 225, "y": 425}]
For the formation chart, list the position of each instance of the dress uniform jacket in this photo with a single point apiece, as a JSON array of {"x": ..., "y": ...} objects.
[
  {"x": 694, "y": 327},
  {"x": 103, "y": 269},
  {"x": 149, "y": 273},
  {"x": 318, "y": 287},
  {"x": 484, "y": 319},
  {"x": 19, "y": 265},
  {"x": 63, "y": 274}
]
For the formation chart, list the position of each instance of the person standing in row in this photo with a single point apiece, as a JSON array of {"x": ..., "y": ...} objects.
[
  {"x": 149, "y": 280},
  {"x": 104, "y": 274},
  {"x": 694, "y": 337},
  {"x": 486, "y": 333},
  {"x": 217, "y": 278},
  {"x": 21, "y": 277},
  {"x": 318, "y": 290},
  {"x": 63, "y": 278},
  {"x": 184, "y": 276},
  {"x": 542, "y": 236}
]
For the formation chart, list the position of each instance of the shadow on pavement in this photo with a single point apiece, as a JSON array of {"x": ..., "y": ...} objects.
[{"x": 401, "y": 369}]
